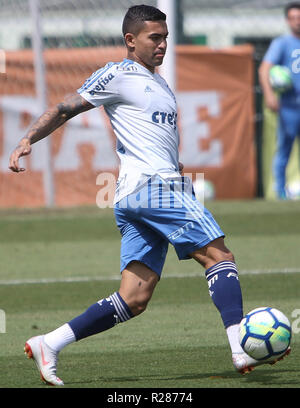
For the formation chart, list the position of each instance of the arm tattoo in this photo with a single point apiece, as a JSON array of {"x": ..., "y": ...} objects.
[
  {"x": 73, "y": 105},
  {"x": 55, "y": 117}
]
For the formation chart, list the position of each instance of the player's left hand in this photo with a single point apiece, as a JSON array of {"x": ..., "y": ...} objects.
[{"x": 23, "y": 149}]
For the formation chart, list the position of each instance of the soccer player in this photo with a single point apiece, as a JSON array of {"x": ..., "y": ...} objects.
[
  {"x": 284, "y": 50},
  {"x": 154, "y": 205}
]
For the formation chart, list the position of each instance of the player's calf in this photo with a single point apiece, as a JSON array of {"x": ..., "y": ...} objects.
[
  {"x": 101, "y": 316},
  {"x": 137, "y": 286}
]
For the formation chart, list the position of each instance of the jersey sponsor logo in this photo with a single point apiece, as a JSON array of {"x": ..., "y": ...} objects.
[
  {"x": 101, "y": 84},
  {"x": 165, "y": 118}
]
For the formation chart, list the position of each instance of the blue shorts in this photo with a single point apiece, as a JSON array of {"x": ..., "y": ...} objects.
[{"x": 159, "y": 213}]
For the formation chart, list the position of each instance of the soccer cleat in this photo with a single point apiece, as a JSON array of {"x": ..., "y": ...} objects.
[
  {"x": 245, "y": 364},
  {"x": 45, "y": 359}
]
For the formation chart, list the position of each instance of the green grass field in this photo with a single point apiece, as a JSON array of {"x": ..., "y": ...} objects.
[{"x": 54, "y": 264}]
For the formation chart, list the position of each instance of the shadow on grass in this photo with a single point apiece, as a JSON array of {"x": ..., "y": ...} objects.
[
  {"x": 257, "y": 379},
  {"x": 150, "y": 370}
]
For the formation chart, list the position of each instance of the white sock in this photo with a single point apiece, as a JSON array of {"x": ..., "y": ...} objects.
[
  {"x": 60, "y": 338},
  {"x": 233, "y": 337}
]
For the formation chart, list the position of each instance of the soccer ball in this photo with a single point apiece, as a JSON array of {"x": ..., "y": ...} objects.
[
  {"x": 204, "y": 190},
  {"x": 293, "y": 190},
  {"x": 280, "y": 78},
  {"x": 265, "y": 333}
]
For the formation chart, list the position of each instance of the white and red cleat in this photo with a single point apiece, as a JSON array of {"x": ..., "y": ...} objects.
[
  {"x": 45, "y": 359},
  {"x": 245, "y": 364}
]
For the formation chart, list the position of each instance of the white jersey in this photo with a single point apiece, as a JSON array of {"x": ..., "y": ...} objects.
[{"x": 143, "y": 113}]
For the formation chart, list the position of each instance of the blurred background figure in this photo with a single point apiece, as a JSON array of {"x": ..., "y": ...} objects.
[{"x": 284, "y": 51}]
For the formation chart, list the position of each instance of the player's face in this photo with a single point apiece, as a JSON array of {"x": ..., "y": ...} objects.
[
  {"x": 150, "y": 44},
  {"x": 293, "y": 19}
]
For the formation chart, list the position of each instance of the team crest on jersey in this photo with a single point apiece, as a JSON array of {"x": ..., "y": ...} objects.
[
  {"x": 126, "y": 68},
  {"x": 101, "y": 84}
]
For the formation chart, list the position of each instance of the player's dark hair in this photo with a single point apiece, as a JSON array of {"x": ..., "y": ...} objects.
[
  {"x": 137, "y": 15},
  {"x": 292, "y": 5}
]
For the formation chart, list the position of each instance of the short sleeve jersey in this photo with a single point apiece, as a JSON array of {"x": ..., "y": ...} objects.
[
  {"x": 285, "y": 50},
  {"x": 143, "y": 114}
]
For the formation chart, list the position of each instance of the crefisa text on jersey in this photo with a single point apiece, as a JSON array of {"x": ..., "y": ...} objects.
[
  {"x": 165, "y": 117},
  {"x": 101, "y": 83}
]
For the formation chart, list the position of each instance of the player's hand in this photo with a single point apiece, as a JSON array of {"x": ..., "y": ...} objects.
[
  {"x": 23, "y": 149},
  {"x": 272, "y": 102},
  {"x": 180, "y": 167}
]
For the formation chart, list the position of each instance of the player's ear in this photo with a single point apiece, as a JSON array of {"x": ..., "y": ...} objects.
[{"x": 130, "y": 40}]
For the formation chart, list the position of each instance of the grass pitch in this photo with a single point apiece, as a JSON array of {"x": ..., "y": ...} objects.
[{"x": 54, "y": 264}]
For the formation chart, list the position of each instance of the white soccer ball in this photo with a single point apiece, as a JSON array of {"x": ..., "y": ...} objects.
[
  {"x": 293, "y": 190},
  {"x": 265, "y": 333},
  {"x": 280, "y": 78},
  {"x": 204, "y": 190}
]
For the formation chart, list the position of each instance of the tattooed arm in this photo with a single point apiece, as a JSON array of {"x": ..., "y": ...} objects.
[{"x": 52, "y": 119}]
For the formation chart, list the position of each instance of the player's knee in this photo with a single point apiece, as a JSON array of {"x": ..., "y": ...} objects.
[
  {"x": 227, "y": 256},
  {"x": 224, "y": 256},
  {"x": 220, "y": 252},
  {"x": 137, "y": 286},
  {"x": 214, "y": 252}
]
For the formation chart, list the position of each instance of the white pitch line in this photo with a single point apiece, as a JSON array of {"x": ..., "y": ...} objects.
[
  {"x": 58, "y": 280},
  {"x": 118, "y": 277}
]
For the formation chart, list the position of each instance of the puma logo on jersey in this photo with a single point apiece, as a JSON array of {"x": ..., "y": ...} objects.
[{"x": 101, "y": 84}]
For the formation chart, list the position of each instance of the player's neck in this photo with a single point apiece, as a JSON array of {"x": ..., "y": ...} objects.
[
  {"x": 134, "y": 58},
  {"x": 296, "y": 34}
]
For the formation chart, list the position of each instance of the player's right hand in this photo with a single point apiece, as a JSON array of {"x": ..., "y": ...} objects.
[
  {"x": 272, "y": 102},
  {"x": 23, "y": 149}
]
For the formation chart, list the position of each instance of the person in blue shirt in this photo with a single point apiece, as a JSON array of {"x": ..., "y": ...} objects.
[{"x": 284, "y": 50}]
